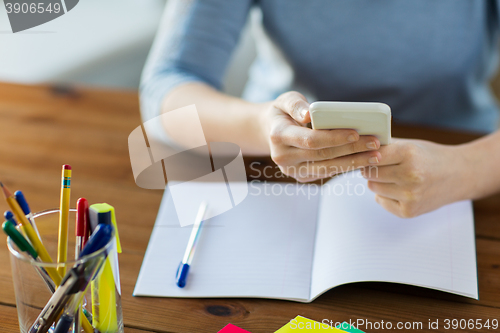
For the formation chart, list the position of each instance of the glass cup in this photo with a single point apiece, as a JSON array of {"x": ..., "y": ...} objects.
[{"x": 101, "y": 302}]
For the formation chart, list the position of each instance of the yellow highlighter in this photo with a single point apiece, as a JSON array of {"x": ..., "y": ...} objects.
[
  {"x": 62, "y": 245},
  {"x": 107, "y": 283}
]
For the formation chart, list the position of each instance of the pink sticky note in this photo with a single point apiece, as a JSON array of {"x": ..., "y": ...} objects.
[{"x": 230, "y": 328}]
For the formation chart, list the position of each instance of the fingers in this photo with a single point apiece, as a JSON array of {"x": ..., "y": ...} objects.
[
  {"x": 399, "y": 201},
  {"x": 394, "y": 153},
  {"x": 391, "y": 205},
  {"x": 365, "y": 143},
  {"x": 307, "y": 179},
  {"x": 306, "y": 138},
  {"x": 294, "y": 104},
  {"x": 382, "y": 174},
  {"x": 388, "y": 190},
  {"x": 328, "y": 168},
  {"x": 400, "y": 208}
]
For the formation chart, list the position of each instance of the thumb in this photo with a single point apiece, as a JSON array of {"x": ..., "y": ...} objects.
[{"x": 294, "y": 104}]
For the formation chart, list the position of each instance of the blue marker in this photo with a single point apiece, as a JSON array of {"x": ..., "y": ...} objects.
[
  {"x": 183, "y": 269},
  {"x": 9, "y": 217},
  {"x": 21, "y": 200},
  {"x": 100, "y": 237}
]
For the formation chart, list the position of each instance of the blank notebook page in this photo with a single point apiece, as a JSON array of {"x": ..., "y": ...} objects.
[
  {"x": 357, "y": 240},
  {"x": 261, "y": 248}
]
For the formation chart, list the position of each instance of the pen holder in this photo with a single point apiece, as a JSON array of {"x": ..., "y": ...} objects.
[{"x": 101, "y": 304}]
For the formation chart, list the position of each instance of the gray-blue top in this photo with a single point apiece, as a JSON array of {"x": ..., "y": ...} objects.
[{"x": 429, "y": 60}]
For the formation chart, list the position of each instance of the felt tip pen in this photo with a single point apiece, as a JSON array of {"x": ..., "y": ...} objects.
[
  {"x": 10, "y": 229},
  {"x": 183, "y": 269}
]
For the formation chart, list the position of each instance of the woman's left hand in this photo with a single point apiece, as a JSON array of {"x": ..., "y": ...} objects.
[{"x": 415, "y": 177}]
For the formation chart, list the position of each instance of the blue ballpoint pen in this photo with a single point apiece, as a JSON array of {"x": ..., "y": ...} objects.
[
  {"x": 183, "y": 269},
  {"x": 21, "y": 200},
  {"x": 9, "y": 216}
]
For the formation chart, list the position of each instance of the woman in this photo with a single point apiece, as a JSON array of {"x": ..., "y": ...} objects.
[{"x": 429, "y": 60}]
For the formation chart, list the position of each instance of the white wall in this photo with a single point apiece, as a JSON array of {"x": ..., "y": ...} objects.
[{"x": 99, "y": 42}]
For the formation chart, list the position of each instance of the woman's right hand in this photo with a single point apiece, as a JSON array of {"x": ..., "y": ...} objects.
[{"x": 306, "y": 154}]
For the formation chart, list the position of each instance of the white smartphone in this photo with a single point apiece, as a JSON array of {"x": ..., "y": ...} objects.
[{"x": 365, "y": 118}]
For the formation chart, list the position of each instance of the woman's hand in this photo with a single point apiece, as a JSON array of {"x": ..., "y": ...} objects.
[
  {"x": 416, "y": 177},
  {"x": 307, "y": 154}
]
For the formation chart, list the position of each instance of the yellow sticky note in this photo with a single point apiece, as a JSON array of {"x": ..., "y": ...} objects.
[{"x": 302, "y": 324}]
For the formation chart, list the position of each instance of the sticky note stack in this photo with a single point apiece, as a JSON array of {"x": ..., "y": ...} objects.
[
  {"x": 300, "y": 323},
  {"x": 230, "y": 328}
]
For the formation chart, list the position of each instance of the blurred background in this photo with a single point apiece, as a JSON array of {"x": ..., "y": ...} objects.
[
  {"x": 105, "y": 43},
  {"x": 101, "y": 43}
]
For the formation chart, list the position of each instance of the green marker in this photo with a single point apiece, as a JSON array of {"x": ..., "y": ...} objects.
[{"x": 10, "y": 229}]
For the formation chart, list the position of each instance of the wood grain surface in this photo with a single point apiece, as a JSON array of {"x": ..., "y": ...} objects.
[{"x": 43, "y": 127}]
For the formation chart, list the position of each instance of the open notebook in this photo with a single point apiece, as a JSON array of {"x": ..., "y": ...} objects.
[{"x": 298, "y": 244}]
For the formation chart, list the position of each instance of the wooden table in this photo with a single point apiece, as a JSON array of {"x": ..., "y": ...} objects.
[{"x": 43, "y": 127}]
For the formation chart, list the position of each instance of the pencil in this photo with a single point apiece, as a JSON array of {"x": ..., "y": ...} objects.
[
  {"x": 62, "y": 245},
  {"x": 27, "y": 229}
]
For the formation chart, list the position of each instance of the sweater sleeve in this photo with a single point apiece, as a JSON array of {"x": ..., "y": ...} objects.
[{"x": 194, "y": 43}]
